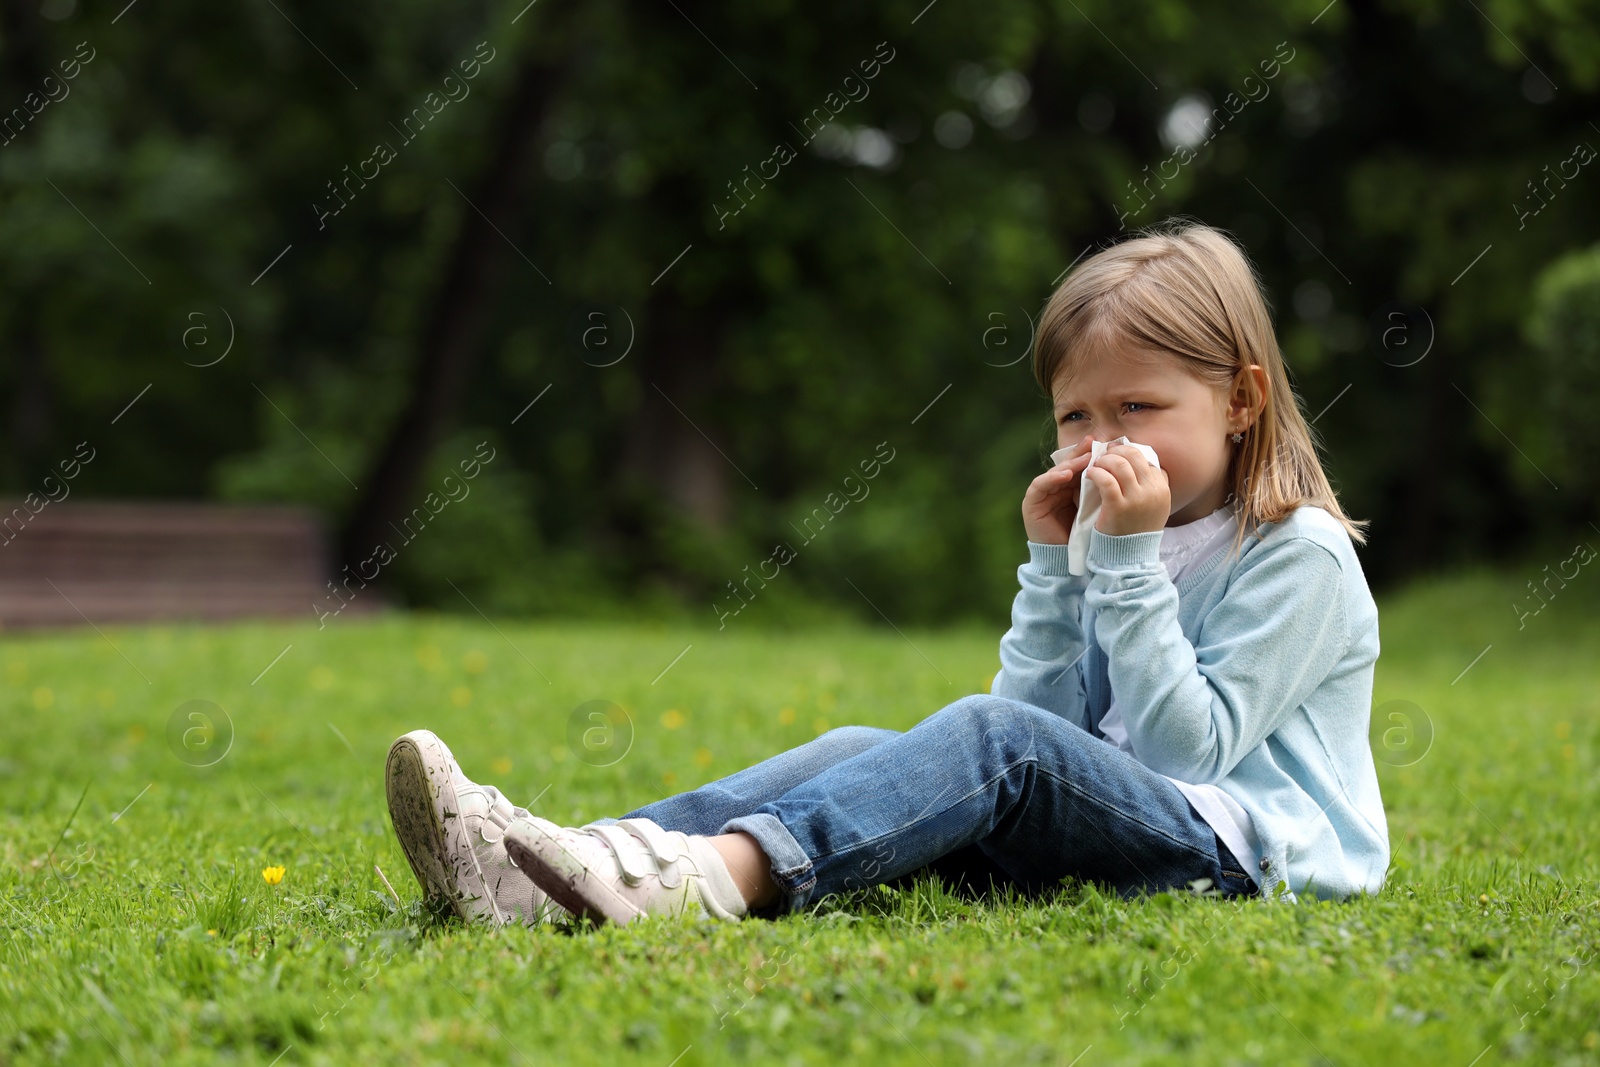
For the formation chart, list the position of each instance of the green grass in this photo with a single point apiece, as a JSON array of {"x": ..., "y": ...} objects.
[{"x": 138, "y": 927}]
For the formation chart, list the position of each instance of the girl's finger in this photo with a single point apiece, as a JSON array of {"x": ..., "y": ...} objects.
[
  {"x": 1089, "y": 477},
  {"x": 1132, "y": 457},
  {"x": 1110, "y": 487},
  {"x": 1079, "y": 450},
  {"x": 1120, "y": 469}
]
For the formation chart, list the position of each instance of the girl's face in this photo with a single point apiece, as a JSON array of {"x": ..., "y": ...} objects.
[{"x": 1152, "y": 400}]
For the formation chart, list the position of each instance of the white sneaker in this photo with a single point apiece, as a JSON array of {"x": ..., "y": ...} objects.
[
  {"x": 623, "y": 871},
  {"x": 452, "y": 830}
]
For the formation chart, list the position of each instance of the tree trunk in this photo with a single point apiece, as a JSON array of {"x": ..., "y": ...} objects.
[
  {"x": 452, "y": 338},
  {"x": 667, "y": 455},
  {"x": 32, "y": 400},
  {"x": 22, "y": 72}
]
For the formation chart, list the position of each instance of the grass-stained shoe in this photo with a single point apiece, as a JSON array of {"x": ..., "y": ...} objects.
[
  {"x": 452, "y": 830},
  {"x": 627, "y": 870}
]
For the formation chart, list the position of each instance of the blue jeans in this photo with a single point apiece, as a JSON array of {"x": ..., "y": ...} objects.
[{"x": 985, "y": 789}]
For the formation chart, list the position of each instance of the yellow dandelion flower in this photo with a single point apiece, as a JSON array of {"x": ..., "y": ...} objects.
[
  {"x": 273, "y": 875},
  {"x": 501, "y": 766},
  {"x": 702, "y": 757},
  {"x": 786, "y": 716},
  {"x": 460, "y": 696},
  {"x": 672, "y": 718}
]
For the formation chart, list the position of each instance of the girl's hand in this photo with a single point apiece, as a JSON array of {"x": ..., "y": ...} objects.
[
  {"x": 1051, "y": 503},
  {"x": 1134, "y": 496}
]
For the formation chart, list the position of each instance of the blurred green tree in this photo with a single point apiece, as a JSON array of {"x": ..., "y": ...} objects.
[
  {"x": 1555, "y": 417},
  {"x": 687, "y": 269}
]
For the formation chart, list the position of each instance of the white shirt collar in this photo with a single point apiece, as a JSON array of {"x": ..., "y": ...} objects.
[{"x": 1194, "y": 542}]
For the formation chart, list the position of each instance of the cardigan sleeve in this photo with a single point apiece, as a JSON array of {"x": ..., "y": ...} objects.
[
  {"x": 1193, "y": 711},
  {"x": 1041, "y": 656}
]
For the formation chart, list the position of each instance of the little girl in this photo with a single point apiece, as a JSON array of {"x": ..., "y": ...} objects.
[{"x": 1192, "y": 710}]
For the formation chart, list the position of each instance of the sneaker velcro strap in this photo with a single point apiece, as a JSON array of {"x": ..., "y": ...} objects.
[
  {"x": 632, "y": 856},
  {"x": 501, "y": 814},
  {"x": 660, "y": 855}
]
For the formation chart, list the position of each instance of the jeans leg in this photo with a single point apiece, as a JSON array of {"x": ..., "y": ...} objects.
[
  {"x": 706, "y": 809},
  {"x": 1040, "y": 797}
]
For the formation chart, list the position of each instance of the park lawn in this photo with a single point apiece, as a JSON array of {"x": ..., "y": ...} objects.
[{"x": 147, "y": 934}]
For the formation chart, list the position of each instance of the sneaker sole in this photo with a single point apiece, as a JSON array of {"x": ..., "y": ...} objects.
[
  {"x": 543, "y": 859},
  {"x": 422, "y": 808}
]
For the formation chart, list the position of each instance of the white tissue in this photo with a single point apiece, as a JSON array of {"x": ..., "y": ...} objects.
[{"x": 1089, "y": 499}]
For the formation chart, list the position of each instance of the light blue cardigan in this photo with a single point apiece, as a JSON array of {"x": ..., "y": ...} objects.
[{"x": 1254, "y": 674}]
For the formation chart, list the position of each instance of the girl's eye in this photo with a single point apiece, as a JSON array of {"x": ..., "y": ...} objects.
[{"x": 1071, "y": 416}]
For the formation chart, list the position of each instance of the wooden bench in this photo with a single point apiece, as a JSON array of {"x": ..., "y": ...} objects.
[{"x": 139, "y": 561}]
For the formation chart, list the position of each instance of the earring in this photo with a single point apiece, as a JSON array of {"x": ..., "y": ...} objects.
[{"x": 1238, "y": 437}]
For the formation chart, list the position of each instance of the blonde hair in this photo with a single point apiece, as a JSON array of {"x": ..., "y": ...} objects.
[{"x": 1186, "y": 291}]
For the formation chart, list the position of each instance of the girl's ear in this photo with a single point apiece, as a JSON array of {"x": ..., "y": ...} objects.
[{"x": 1249, "y": 394}]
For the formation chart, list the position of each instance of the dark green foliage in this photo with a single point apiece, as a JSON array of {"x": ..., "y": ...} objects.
[{"x": 819, "y": 320}]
